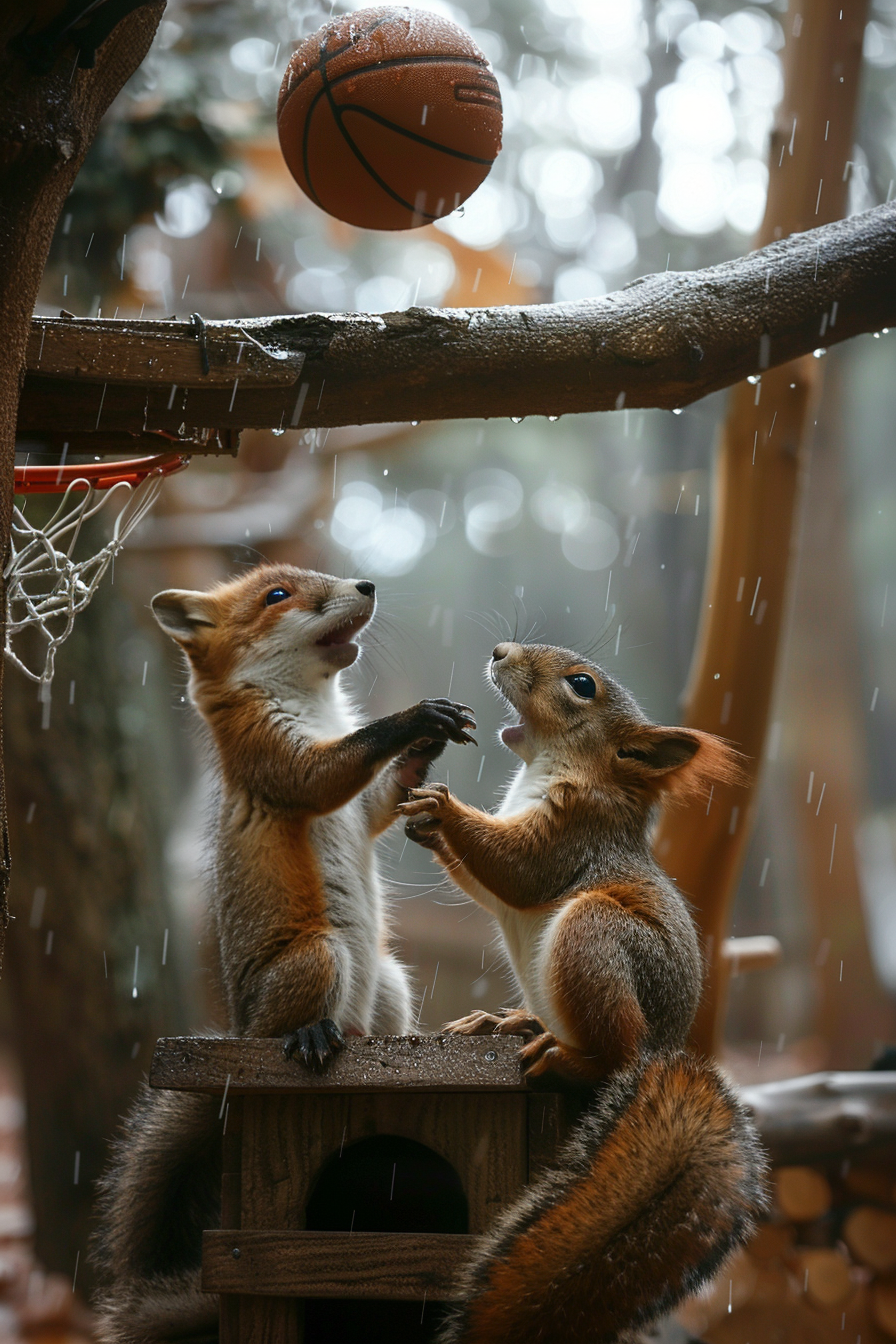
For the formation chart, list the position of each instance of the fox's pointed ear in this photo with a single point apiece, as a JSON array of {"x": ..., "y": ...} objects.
[
  {"x": 681, "y": 761},
  {"x": 183, "y": 614}
]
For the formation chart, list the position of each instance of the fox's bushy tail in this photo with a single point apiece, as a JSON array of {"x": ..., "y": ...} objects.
[{"x": 161, "y": 1190}]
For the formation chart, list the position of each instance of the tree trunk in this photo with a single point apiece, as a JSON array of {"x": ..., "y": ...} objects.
[
  {"x": 90, "y": 793},
  {"x": 49, "y": 111},
  {"x": 48, "y": 118}
]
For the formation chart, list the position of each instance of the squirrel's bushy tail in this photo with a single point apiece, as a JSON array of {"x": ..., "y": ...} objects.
[
  {"x": 661, "y": 1181},
  {"x": 162, "y": 1188}
]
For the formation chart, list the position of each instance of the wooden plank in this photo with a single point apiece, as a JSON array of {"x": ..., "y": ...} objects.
[
  {"x": 229, "y": 1331},
  {"x": 288, "y": 1139},
  {"x": 406, "y": 1266},
  {"x": 272, "y": 1194},
  {"x": 548, "y": 1127},
  {"x": 367, "y": 1064},
  {"x": 125, "y": 350}
]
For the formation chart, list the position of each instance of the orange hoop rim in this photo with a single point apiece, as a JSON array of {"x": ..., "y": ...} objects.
[{"x": 96, "y": 475}]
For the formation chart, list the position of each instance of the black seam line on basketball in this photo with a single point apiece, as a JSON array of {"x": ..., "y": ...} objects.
[
  {"x": 324, "y": 58},
  {"x": 325, "y": 90},
  {"x": 388, "y": 65},
  {"x": 412, "y": 135}
]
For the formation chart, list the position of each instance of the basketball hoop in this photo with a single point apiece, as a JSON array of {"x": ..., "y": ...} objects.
[
  {"x": 46, "y": 587},
  {"x": 96, "y": 475}
]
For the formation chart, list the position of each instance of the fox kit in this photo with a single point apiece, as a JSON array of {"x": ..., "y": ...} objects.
[
  {"x": 663, "y": 1177},
  {"x": 297, "y": 904}
]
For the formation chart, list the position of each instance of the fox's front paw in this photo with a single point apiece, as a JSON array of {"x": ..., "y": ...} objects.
[
  {"x": 412, "y": 766},
  {"x": 316, "y": 1046},
  {"x": 441, "y": 721}
]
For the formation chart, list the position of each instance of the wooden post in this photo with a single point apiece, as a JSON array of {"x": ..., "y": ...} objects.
[{"x": 759, "y": 461}]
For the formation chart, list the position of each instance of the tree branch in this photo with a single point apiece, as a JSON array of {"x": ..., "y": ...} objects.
[{"x": 664, "y": 341}]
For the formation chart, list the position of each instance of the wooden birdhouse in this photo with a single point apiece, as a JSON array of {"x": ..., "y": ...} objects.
[{"x": 350, "y": 1199}]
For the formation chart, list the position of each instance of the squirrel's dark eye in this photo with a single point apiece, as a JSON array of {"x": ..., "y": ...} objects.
[
  {"x": 275, "y": 595},
  {"x": 583, "y": 685}
]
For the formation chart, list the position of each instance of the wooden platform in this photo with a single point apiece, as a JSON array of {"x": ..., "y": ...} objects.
[
  {"x": 367, "y": 1064},
  {"x": 473, "y": 1135}
]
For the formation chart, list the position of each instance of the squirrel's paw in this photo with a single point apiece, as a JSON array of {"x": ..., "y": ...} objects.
[
  {"x": 506, "y": 1022},
  {"x": 316, "y": 1046},
  {"x": 431, "y": 799},
  {"x": 545, "y": 1054},
  {"x": 474, "y": 1024},
  {"x": 520, "y": 1022},
  {"x": 424, "y": 831},
  {"x": 542, "y": 1054}
]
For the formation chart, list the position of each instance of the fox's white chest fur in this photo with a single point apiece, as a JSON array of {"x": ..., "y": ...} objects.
[{"x": 347, "y": 862}]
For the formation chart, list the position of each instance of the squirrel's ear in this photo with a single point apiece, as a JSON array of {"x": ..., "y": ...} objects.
[
  {"x": 182, "y": 614},
  {"x": 682, "y": 761}
]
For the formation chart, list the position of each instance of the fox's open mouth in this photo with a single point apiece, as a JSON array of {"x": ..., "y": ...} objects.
[{"x": 344, "y": 632}]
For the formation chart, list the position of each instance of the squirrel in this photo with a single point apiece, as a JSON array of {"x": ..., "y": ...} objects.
[
  {"x": 663, "y": 1176},
  {"x": 297, "y": 905}
]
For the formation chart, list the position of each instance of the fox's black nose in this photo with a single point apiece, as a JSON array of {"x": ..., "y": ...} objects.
[
  {"x": 500, "y": 651},
  {"x": 366, "y": 587}
]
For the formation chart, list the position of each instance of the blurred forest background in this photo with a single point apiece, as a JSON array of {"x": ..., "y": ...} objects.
[{"x": 635, "y": 141}]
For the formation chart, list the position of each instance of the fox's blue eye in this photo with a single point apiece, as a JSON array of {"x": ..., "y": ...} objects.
[
  {"x": 583, "y": 685},
  {"x": 275, "y": 595}
]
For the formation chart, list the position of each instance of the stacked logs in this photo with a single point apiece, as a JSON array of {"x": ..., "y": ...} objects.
[{"x": 823, "y": 1269}]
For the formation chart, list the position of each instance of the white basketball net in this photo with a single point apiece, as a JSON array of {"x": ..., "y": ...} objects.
[{"x": 46, "y": 586}]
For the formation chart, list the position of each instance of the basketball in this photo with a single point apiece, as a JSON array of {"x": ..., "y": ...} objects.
[{"x": 389, "y": 118}]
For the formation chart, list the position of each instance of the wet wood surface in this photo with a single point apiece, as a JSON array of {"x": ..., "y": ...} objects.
[{"x": 367, "y": 1064}]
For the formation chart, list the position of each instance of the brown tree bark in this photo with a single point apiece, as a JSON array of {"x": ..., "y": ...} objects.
[
  {"x": 759, "y": 461},
  {"x": 49, "y": 111},
  {"x": 664, "y": 341},
  {"x": 50, "y": 108},
  {"x": 90, "y": 802}
]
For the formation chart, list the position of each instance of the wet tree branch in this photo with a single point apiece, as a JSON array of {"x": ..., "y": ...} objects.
[{"x": 663, "y": 341}]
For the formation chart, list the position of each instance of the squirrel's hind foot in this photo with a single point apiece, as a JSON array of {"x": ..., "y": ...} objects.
[
  {"x": 507, "y": 1022},
  {"x": 316, "y": 1046}
]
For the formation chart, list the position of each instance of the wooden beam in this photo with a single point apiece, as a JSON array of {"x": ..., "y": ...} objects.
[
  {"x": 367, "y": 1064},
  {"x": 403, "y": 1266},
  {"x": 663, "y": 341},
  {"x": 823, "y": 1114},
  {"x": 758, "y": 953}
]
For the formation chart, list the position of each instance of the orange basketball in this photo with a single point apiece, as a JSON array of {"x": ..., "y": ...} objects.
[{"x": 389, "y": 118}]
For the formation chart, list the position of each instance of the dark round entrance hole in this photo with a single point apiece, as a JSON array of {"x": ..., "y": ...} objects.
[{"x": 382, "y": 1184}]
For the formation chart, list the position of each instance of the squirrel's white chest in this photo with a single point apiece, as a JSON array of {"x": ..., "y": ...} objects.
[
  {"x": 527, "y": 933},
  {"x": 527, "y": 789}
]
